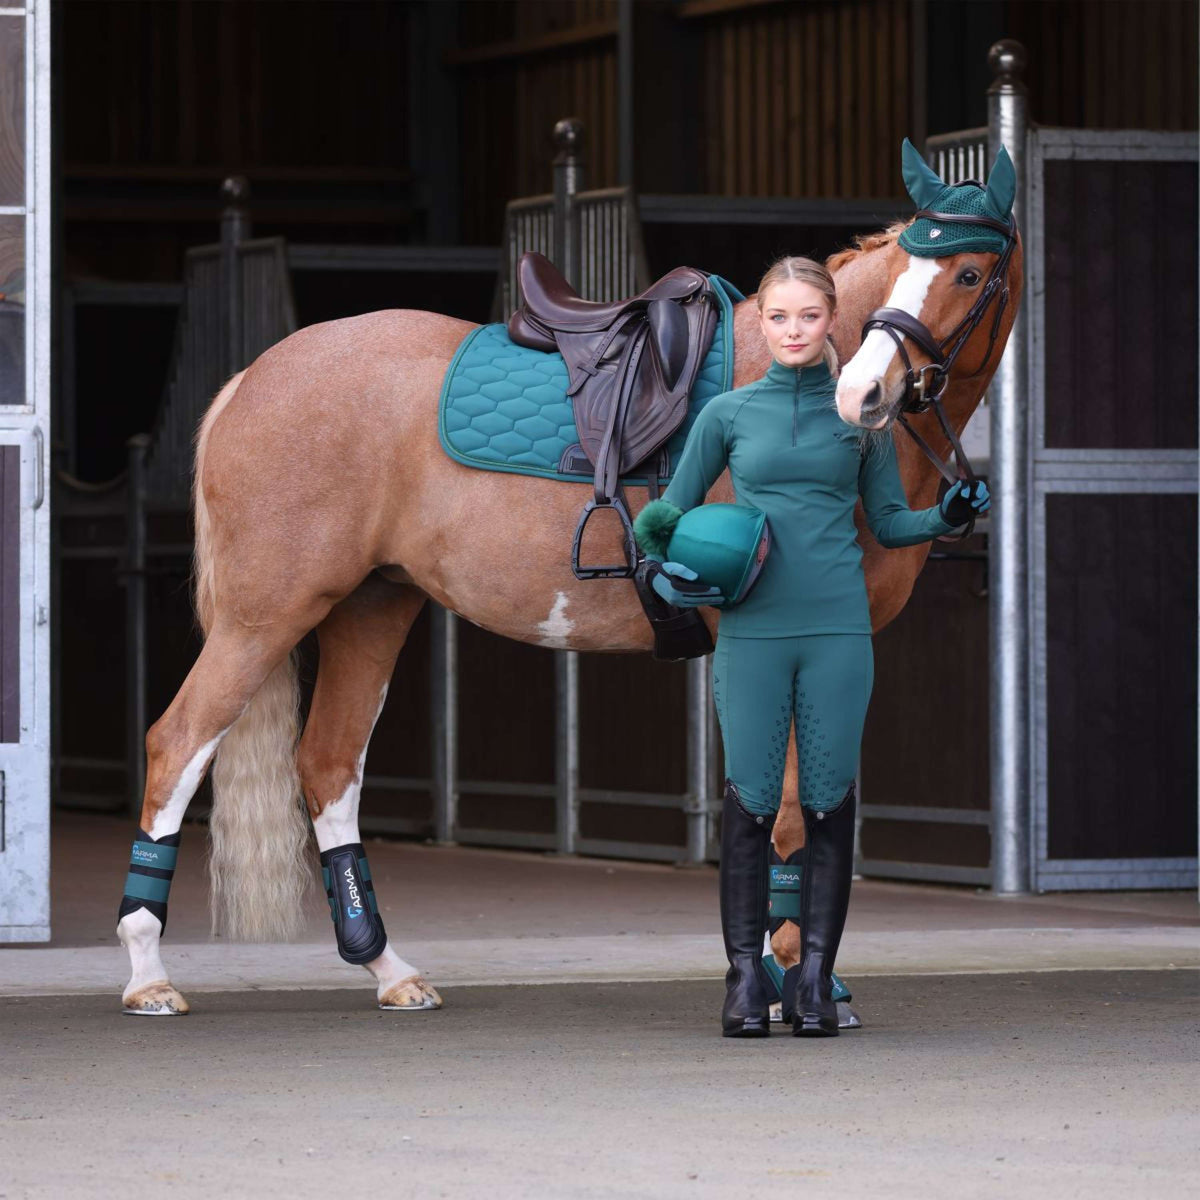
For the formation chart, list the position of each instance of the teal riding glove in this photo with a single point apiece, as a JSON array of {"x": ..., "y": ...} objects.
[
  {"x": 965, "y": 500},
  {"x": 672, "y": 584}
]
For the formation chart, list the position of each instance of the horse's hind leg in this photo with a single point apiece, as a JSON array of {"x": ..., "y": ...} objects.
[
  {"x": 231, "y": 668},
  {"x": 359, "y": 641}
]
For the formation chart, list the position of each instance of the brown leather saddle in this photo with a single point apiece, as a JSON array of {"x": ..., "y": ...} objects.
[{"x": 631, "y": 365}]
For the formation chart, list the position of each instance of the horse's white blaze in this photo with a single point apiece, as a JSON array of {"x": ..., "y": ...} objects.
[
  {"x": 169, "y": 818},
  {"x": 337, "y": 824},
  {"x": 875, "y": 355},
  {"x": 557, "y": 628},
  {"x": 140, "y": 932}
]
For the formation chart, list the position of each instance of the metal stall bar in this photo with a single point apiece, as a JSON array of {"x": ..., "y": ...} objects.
[
  {"x": 444, "y": 686},
  {"x": 568, "y": 180},
  {"x": 1008, "y": 594}
]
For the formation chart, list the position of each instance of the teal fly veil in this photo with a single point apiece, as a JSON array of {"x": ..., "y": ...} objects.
[
  {"x": 725, "y": 544},
  {"x": 929, "y": 238}
]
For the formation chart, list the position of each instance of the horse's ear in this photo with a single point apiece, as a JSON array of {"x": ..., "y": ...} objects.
[
  {"x": 1002, "y": 185},
  {"x": 922, "y": 182}
]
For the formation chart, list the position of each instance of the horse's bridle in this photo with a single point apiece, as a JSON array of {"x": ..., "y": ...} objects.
[{"x": 923, "y": 386}]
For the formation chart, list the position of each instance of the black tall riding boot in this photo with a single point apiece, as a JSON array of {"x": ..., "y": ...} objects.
[
  {"x": 745, "y": 851},
  {"x": 828, "y": 868}
]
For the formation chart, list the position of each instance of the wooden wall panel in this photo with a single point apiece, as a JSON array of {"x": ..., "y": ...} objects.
[
  {"x": 1109, "y": 64},
  {"x": 521, "y": 69},
  {"x": 245, "y": 85},
  {"x": 804, "y": 99}
]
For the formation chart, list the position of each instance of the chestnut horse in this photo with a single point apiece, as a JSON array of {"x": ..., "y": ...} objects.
[{"x": 324, "y": 500}]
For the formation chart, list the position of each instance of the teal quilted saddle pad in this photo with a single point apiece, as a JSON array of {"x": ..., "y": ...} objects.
[{"x": 505, "y": 407}]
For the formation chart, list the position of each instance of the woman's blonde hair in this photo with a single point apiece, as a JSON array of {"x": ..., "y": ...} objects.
[{"x": 806, "y": 270}]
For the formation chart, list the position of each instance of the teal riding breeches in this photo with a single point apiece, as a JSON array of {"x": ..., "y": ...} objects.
[{"x": 760, "y": 684}]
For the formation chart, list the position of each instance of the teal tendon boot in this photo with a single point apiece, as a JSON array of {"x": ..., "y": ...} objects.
[
  {"x": 808, "y": 987},
  {"x": 745, "y": 853}
]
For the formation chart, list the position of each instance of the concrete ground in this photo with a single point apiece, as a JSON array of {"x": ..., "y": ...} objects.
[
  {"x": 1035, "y": 1047},
  {"x": 1048, "y": 1086}
]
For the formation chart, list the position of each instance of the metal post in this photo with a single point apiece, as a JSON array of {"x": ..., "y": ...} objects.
[
  {"x": 444, "y": 689},
  {"x": 135, "y": 622},
  {"x": 697, "y": 803},
  {"x": 235, "y": 229},
  {"x": 568, "y": 180},
  {"x": 1008, "y": 595},
  {"x": 566, "y": 751}
]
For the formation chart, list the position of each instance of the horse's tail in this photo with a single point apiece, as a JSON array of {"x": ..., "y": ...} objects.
[{"x": 259, "y": 857}]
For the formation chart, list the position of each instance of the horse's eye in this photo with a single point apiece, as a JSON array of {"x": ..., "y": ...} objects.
[{"x": 969, "y": 277}]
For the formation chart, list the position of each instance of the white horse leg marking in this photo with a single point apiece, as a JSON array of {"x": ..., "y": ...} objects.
[
  {"x": 140, "y": 932},
  {"x": 399, "y": 982},
  {"x": 169, "y": 818},
  {"x": 875, "y": 355},
  {"x": 556, "y": 629}
]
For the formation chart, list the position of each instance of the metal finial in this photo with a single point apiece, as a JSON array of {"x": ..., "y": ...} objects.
[
  {"x": 1008, "y": 59},
  {"x": 568, "y": 137},
  {"x": 235, "y": 189}
]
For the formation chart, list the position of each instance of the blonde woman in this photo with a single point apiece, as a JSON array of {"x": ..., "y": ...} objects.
[{"x": 799, "y": 646}]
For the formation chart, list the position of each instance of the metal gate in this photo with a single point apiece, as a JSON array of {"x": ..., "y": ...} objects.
[
  {"x": 24, "y": 513},
  {"x": 1112, "y": 256}
]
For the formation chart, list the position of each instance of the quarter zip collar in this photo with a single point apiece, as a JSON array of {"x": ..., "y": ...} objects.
[{"x": 807, "y": 381}]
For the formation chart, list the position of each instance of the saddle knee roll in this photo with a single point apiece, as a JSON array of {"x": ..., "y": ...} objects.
[
  {"x": 352, "y": 905},
  {"x": 151, "y": 869}
]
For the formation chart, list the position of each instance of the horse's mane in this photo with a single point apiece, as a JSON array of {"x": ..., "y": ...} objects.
[{"x": 864, "y": 242}]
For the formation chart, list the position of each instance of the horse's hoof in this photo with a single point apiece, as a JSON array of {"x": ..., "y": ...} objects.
[
  {"x": 411, "y": 994},
  {"x": 847, "y": 1017},
  {"x": 158, "y": 999}
]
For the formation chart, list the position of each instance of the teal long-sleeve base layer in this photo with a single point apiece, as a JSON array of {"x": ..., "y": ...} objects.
[
  {"x": 824, "y": 682},
  {"x": 791, "y": 455},
  {"x": 800, "y": 644}
]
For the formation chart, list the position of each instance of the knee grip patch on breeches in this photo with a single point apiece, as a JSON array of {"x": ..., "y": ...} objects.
[
  {"x": 151, "y": 868},
  {"x": 352, "y": 905}
]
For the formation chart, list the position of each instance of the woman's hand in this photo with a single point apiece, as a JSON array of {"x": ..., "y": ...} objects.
[
  {"x": 964, "y": 501},
  {"x": 675, "y": 584}
]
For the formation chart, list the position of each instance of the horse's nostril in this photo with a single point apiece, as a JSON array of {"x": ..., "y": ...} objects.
[{"x": 873, "y": 395}]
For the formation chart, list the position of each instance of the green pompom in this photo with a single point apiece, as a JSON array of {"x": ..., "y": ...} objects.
[{"x": 654, "y": 526}]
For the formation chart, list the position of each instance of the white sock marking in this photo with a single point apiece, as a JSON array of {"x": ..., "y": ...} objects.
[
  {"x": 140, "y": 932},
  {"x": 169, "y": 818}
]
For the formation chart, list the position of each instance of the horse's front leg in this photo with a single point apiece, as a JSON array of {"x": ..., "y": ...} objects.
[{"x": 359, "y": 642}]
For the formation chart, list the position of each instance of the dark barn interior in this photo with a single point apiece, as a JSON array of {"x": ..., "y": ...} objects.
[{"x": 382, "y": 140}]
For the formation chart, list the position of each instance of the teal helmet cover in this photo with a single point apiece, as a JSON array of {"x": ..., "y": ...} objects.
[{"x": 725, "y": 544}]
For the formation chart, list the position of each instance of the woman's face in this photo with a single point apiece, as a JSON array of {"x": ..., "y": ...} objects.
[{"x": 795, "y": 319}]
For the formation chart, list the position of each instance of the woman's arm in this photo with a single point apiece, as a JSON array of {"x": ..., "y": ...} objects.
[
  {"x": 891, "y": 520},
  {"x": 704, "y": 456}
]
